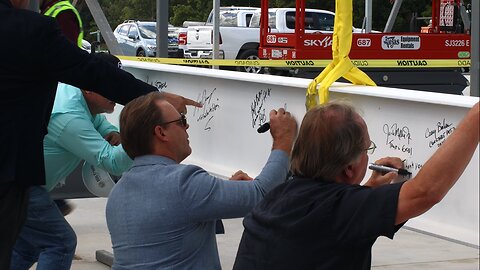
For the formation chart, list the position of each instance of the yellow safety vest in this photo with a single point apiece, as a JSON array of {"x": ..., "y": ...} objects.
[{"x": 65, "y": 5}]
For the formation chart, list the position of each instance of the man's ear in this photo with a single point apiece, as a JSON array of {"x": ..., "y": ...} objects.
[
  {"x": 352, "y": 171},
  {"x": 349, "y": 171},
  {"x": 345, "y": 175},
  {"x": 159, "y": 133}
]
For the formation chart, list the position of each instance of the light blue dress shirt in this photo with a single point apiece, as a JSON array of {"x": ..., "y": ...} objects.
[
  {"x": 75, "y": 135},
  {"x": 161, "y": 215}
]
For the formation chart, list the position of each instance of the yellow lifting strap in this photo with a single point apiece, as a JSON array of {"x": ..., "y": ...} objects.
[{"x": 341, "y": 65}]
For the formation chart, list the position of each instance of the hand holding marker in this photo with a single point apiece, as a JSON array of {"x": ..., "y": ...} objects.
[
  {"x": 386, "y": 169},
  {"x": 266, "y": 126}
]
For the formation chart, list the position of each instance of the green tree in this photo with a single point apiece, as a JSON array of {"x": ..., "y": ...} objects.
[
  {"x": 189, "y": 10},
  {"x": 143, "y": 10}
]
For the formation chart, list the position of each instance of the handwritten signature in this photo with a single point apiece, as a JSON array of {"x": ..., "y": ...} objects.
[
  {"x": 402, "y": 147},
  {"x": 398, "y": 138},
  {"x": 394, "y": 131},
  {"x": 257, "y": 107},
  {"x": 411, "y": 165},
  {"x": 210, "y": 105},
  {"x": 438, "y": 134},
  {"x": 158, "y": 84}
]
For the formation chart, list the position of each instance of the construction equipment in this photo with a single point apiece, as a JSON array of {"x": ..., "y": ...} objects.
[{"x": 447, "y": 39}]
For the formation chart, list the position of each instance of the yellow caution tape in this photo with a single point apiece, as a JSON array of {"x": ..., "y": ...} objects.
[{"x": 362, "y": 63}]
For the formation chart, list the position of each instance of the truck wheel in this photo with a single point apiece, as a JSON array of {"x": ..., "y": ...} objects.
[
  {"x": 250, "y": 54},
  {"x": 141, "y": 53}
]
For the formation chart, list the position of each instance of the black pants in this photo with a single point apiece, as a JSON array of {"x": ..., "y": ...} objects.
[{"x": 13, "y": 211}]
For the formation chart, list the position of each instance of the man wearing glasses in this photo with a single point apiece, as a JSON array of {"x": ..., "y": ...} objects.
[
  {"x": 161, "y": 214},
  {"x": 322, "y": 218}
]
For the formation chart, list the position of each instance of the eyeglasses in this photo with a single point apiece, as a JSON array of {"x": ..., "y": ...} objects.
[
  {"x": 370, "y": 150},
  {"x": 182, "y": 120}
]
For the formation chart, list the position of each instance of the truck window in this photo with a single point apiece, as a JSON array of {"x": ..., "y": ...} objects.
[
  {"x": 272, "y": 20},
  {"x": 321, "y": 21},
  {"x": 248, "y": 19},
  {"x": 228, "y": 19},
  {"x": 290, "y": 20},
  {"x": 313, "y": 21},
  {"x": 255, "y": 20}
]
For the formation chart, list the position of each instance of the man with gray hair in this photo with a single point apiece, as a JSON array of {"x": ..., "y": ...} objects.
[{"x": 322, "y": 218}]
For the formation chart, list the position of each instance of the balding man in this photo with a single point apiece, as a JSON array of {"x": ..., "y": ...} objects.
[{"x": 323, "y": 218}]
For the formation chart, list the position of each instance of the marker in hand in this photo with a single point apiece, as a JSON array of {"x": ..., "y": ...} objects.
[
  {"x": 264, "y": 128},
  {"x": 386, "y": 169}
]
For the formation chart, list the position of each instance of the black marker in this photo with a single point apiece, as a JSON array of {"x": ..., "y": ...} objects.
[
  {"x": 386, "y": 169},
  {"x": 264, "y": 128}
]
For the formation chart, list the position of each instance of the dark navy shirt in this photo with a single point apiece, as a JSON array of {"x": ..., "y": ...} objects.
[{"x": 315, "y": 224}]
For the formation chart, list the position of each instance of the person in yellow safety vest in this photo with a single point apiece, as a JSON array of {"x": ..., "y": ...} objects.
[
  {"x": 70, "y": 23},
  {"x": 67, "y": 17}
]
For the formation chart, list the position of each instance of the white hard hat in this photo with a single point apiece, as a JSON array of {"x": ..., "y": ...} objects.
[{"x": 96, "y": 180}]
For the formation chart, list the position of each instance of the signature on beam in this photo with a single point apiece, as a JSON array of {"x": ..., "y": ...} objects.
[
  {"x": 210, "y": 105},
  {"x": 438, "y": 134},
  {"x": 257, "y": 107}
]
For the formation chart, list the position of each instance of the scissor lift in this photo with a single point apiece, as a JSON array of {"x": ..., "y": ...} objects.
[{"x": 442, "y": 41}]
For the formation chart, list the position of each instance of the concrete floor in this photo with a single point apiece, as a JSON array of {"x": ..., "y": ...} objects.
[{"x": 409, "y": 250}]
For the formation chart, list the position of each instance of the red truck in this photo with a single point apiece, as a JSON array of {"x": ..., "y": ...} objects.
[{"x": 444, "y": 39}]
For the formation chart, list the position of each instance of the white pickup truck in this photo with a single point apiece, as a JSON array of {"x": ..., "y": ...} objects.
[
  {"x": 200, "y": 37},
  {"x": 241, "y": 42}
]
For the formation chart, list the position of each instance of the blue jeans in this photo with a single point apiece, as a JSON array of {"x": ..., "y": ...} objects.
[{"x": 46, "y": 237}]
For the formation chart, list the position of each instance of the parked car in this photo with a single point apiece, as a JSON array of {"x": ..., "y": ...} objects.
[
  {"x": 199, "y": 38},
  {"x": 182, "y": 41},
  {"x": 138, "y": 38}
]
